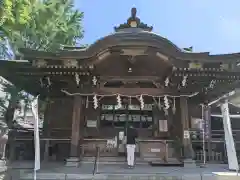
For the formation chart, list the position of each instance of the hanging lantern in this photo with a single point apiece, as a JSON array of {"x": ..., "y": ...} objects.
[
  {"x": 184, "y": 81},
  {"x": 167, "y": 82},
  {"x": 174, "y": 106},
  {"x": 95, "y": 102},
  {"x": 119, "y": 101},
  {"x": 141, "y": 102},
  {"x": 77, "y": 78},
  {"x": 166, "y": 102},
  {"x": 94, "y": 80}
]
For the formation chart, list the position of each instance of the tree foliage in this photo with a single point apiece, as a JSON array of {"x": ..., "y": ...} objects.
[
  {"x": 10, "y": 101},
  {"x": 38, "y": 24},
  {"x": 14, "y": 14},
  {"x": 42, "y": 25}
]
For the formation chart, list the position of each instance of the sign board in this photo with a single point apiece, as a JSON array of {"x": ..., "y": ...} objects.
[
  {"x": 91, "y": 123},
  {"x": 207, "y": 123},
  {"x": 107, "y": 107},
  {"x": 155, "y": 150},
  {"x": 186, "y": 134}
]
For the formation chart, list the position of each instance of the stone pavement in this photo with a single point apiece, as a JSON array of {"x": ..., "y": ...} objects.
[{"x": 119, "y": 171}]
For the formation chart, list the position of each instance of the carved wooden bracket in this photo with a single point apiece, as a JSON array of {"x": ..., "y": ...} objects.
[
  {"x": 70, "y": 63},
  {"x": 39, "y": 63}
]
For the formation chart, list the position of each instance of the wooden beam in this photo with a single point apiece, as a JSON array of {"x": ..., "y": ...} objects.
[{"x": 130, "y": 78}]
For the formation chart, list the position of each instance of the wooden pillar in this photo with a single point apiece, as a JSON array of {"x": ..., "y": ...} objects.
[
  {"x": 11, "y": 135},
  {"x": 76, "y": 118},
  {"x": 187, "y": 145},
  {"x": 47, "y": 130},
  {"x": 46, "y": 151},
  {"x": 74, "y": 144},
  {"x": 169, "y": 124},
  {"x": 11, "y": 146},
  {"x": 156, "y": 114},
  {"x": 207, "y": 128}
]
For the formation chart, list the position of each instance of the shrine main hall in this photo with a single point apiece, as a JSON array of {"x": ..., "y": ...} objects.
[{"x": 130, "y": 77}]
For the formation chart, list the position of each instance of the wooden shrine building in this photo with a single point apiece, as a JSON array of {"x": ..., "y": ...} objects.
[{"x": 130, "y": 77}]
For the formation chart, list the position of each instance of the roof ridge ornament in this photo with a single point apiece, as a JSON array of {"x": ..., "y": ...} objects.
[
  {"x": 133, "y": 22},
  {"x": 188, "y": 50}
]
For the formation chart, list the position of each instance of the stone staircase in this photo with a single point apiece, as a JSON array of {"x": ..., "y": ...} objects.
[
  {"x": 109, "y": 177},
  {"x": 58, "y": 171},
  {"x": 127, "y": 177},
  {"x": 122, "y": 160},
  {"x": 111, "y": 160}
]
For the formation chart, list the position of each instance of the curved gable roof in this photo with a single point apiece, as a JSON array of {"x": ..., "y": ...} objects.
[
  {"x": 133, "y": 37},
  {"x": 130, "y": 35}
]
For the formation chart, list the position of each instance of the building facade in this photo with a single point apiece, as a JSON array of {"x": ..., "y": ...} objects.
[{"x": 131, "y": 77}]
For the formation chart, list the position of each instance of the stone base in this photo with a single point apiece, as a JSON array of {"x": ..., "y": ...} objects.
[
  {"x": 72, "y": 162},
  {"x": 2, "y": 163},
  {"x": 203, "y": 166},
  {"x": 189, "y": 163}
]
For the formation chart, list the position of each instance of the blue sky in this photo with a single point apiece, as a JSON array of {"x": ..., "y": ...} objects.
[{"x": 207, "y": 25}]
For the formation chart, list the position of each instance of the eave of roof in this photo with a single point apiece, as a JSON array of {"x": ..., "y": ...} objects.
[
  {"x": 129, "y": 37},
  {"x": 8, "y": 71}
]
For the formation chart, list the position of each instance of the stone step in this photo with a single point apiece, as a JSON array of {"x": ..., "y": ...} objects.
[
  {"x": 121, "y": 160},
  {"x": 103, "y": 160},
  {"x": 59, "y": 176},
  {"x": 2, "y": 163}
]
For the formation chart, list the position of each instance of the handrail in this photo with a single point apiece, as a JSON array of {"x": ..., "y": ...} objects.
[{"x": 95, "y": 167}]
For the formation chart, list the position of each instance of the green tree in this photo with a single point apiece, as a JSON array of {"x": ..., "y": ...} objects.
[
  {"x": 41, "y": 25},
  {"x": 14, "y": 15}
]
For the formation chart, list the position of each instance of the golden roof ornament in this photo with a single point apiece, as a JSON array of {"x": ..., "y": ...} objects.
[{"x": 134, "y": 22}]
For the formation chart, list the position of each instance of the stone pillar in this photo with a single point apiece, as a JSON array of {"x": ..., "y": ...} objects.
[
  {"x": 229, "y": 141},
  {"x": 187, "y": 144},
  {"x": 207, "y": 129},
  {"x": 73, "y": 160}
]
